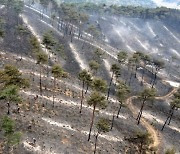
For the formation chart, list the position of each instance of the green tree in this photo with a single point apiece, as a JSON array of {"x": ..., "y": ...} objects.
[
  {"x": 146, "y": 95},
  {"x": 158, "y": 66},
  {"x": 36, "y": 48},
  {"x": 48, "y": 40},
  {"x": 99, "y": 85},
  {"x": 49, "y": 43},
  {"x": 98, "y": 53},
  {"x": 54, "y": 7},
  {"x": 44, "y": 4},
  {"x": 57, "y": 72},
  {"x": 12, "y": 137},
  {"x": 122, "y": 57},
  {"x": 18, "y": 7},
  {"x": 102, "y": 127},
  {"x": 83, "y": 77},
  {"x": 136, "y": 57},
  {"x": 41, "y": 59},
  {"x": 1, "y": 33},
  {"x": 175, "y": 105},
  {"x": 146, "y": 60},
  {"x": 60, "y": 18},
  {"x": 131, "y": 64},
  {"x": 73, "y": 17},
  {"x": 93, "y": 31},
  {"x": 95, "y": 100},
  {"x": 122, "y": 92},
  {"x": 94, "y": 66},
  {"x": 170, "y": 151},
  {"x": 117, "y": 75},
  {"x": 1, "y": 28},
  {"x": 142, "y": 140},
  {"x": 7, "y": 125},
  {"x": 83, "y": 18},
  {"x": 61, "y": 50},
  {"x": 53, "y": 17},
  {"x": 70, "y": 15},
  {"x": 88, "y": 82},
  {"x": 173, "y": 58},
  {"x": 22, "y": 31},
  {"x": 10, "y": 94},
  {"x": 114, "y": 69},
  {"x": 177, "y": 94},
  {"x": 11, "y": 76},
  {"x": 35, "y": 44}
]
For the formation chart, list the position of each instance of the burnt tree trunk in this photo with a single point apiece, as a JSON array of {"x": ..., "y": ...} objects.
[
  {"x": 112, "y": 123},
  {"x": 87, "y": 88},
  {"x": 140, "y": 112},
  {"x": 131, "y": 76},
  {"x": 95, "y": 145},
  {"x": 54, "y": 87},
  {"x": 154, "y": 81},
  {"x": 165, "y": 123},
  {"x": 92, "y": 121},
  {"x": 40, "y": 81},
  {"x": 109, "y": 89},
  {"x": 135, "y": 74},
  {"x": 120, "y": 106},
  {"x": 58, "y": 23},
  {"x": 82, "y": 96},
  {"x": 142, "y": 78},
  {"x": 8, "y": 106},
  {"x": 171, "y": 117}
]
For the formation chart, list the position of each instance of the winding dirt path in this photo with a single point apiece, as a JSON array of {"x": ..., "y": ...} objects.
[
  {"x": 168, "y": 95},
  {"x": 155, "y": 134},
  {"x": 151, "y": 130}
]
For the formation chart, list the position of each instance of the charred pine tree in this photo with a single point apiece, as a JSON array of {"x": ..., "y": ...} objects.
[{"x": 146, "y": 95}]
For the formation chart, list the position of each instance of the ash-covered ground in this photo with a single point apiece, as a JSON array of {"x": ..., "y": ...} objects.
[{"x": 62, "y": 129}]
